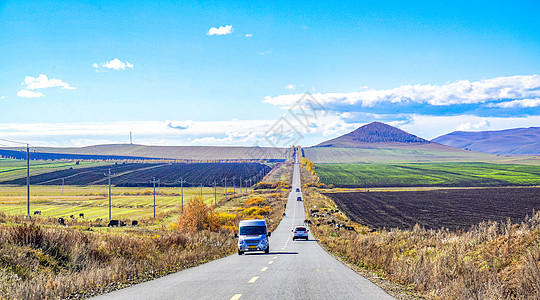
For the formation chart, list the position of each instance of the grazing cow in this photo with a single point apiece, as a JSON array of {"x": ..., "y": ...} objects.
[
  {"x": 72, "y": 216},
  {"x": 99, "y": 219},
  {"x": 113, "y": 223},
  {"x": 312, "y": 211},
  {"x": 134, "y": 223},
  {"x": 37, "y": 212},
  {"x": 81, "y": 216},
  {"x": 122, "y": 223},
  {"x": 61, "y": 221},
  {"x": 349, "y": 228},
  {"x": 284, "y": 214},
  {"x": 307, "y": 222}
]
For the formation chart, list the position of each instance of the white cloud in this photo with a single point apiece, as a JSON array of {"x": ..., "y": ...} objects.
[
  {"x": 290, "y": 86},
  {"x": 42, "y": 82},
  {"x": 29, "y": 94},
  {"x": 525, "y": 103},
  {"x": 115, "y": 64},
  {"x": 222, "y": 30},
  {"x": 459, "y": 92},
  {"x": 249, "y": 35},
  {"x": 484, "y": 124},
  {"x": 4, "y": 97}
]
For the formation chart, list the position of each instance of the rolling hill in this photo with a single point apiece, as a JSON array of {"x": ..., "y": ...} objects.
[
  {"x": 131, "y": 151},
  {"x": 517, "y": 141}
]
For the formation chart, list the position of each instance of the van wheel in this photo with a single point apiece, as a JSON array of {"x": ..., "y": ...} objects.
[
  {"x": 240, "y": 252},
  {"x": 267, "y": 250}
]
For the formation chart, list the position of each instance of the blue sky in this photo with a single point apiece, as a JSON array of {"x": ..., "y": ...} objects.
[{"x": 79, "y": 73}]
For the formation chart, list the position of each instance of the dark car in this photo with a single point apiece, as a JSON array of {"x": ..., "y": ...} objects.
[
  {"x": 299, "y": 199},
  {"x": 298, "y": 189}
]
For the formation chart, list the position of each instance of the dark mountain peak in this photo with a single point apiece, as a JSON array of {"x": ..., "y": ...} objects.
[{"x": 375, "y": 132}]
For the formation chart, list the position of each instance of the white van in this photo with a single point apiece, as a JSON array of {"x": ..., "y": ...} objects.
[{"x": 253, "y": 236}]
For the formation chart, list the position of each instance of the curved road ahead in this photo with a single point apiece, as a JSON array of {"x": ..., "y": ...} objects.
[{"x": 292, "y": 270}]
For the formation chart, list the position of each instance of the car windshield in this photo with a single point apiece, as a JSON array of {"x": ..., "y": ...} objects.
[
  {"x": 300, "y": 229},
  {"x": 252, "y": 230}
]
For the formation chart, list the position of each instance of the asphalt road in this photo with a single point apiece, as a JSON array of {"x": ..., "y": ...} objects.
[{"x": 293, "y": 270}]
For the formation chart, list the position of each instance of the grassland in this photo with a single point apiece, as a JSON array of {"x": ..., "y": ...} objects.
[
  {"x": 127, "y": 202},
  {"x": 428, "y": 174}
]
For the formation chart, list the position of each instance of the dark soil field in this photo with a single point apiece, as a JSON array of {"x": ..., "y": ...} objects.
[
  {"x": 141, "y": 174},
  {"x": 449, "y": 208}
]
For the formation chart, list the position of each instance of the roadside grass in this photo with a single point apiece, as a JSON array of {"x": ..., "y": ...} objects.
[
  {"x": 428, "y": 174},
  {"x": 492, "y": 260},
  {"x": 40, "y": 259}
]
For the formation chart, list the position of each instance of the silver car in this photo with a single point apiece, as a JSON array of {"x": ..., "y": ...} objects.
[{"x": 300, "y": 232}]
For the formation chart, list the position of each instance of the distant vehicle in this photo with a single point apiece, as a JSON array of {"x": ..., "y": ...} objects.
[
  {"x": 300, "y": 232},
  {"x": 298, "y": 189},
  {"x": 299, "y": 199},
  {"x": 253, "y": 236}
]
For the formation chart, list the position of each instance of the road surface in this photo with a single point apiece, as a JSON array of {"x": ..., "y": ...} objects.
[{"x": 292, "y": 270}]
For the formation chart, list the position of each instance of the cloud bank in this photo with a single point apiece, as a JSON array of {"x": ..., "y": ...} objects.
[{"x": 459, "y": 92}]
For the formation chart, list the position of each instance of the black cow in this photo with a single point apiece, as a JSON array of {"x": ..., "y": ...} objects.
[
  {"x": 37, "y": 212},
  {"x": 81, "y": 216},
  {"x": 61, "y": 221},
  {"x": 72, "y": 216},
  {"x": 113, "y": 223},
  {"x": 349, "y": 228},
  {"x": 134, "y": 223},
  {"x": 122, "y": 223}
]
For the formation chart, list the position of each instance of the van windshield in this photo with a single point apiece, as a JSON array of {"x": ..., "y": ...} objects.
[{"x": 252, "y": 230}]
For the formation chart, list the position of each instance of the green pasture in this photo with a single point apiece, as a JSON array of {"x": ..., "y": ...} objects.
[
  {"x": 127, "y": 202},
  {"x": 428, "y": 174},
  {"x": 15, "y": 168}
]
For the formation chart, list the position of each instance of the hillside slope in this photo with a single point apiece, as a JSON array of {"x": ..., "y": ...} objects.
[
  {"x": 173, "y": 152},
  {"x": 518, "y": 141},
  {"x": 379, "y": 142}
]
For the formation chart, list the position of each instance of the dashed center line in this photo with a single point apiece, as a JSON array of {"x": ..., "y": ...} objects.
[
  {"x": 253, "y": 279},
  {"x": 270, "y": 262},
  {"x": 275, "y": 257},
  {"x": 264, "y": 269},
  {"x": 236, "y": 297}
]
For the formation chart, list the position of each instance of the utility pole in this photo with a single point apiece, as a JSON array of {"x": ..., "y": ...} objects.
[
  {"x": 154, "y": 181},
  {"x": 182, "y": 192},
  {"x": 215, "y": 194},
  {"x": 110, "y": 216},
  {"x": 27, "y": 180},
  {"x": 240, "y": 185}
]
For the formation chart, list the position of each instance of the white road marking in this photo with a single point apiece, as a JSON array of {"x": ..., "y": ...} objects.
[
  {"x": 264, "y": 269},
  {"x": 275, "y": 257},
  {"x": 270, "y": 262},
  {"x": 236, "y": 297},
  {"x": 253, "y": 279}
]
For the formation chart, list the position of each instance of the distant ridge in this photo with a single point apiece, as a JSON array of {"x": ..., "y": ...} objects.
[
  {"x": 374, "y": 133},
  {"x": 517, "y": 141}
]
